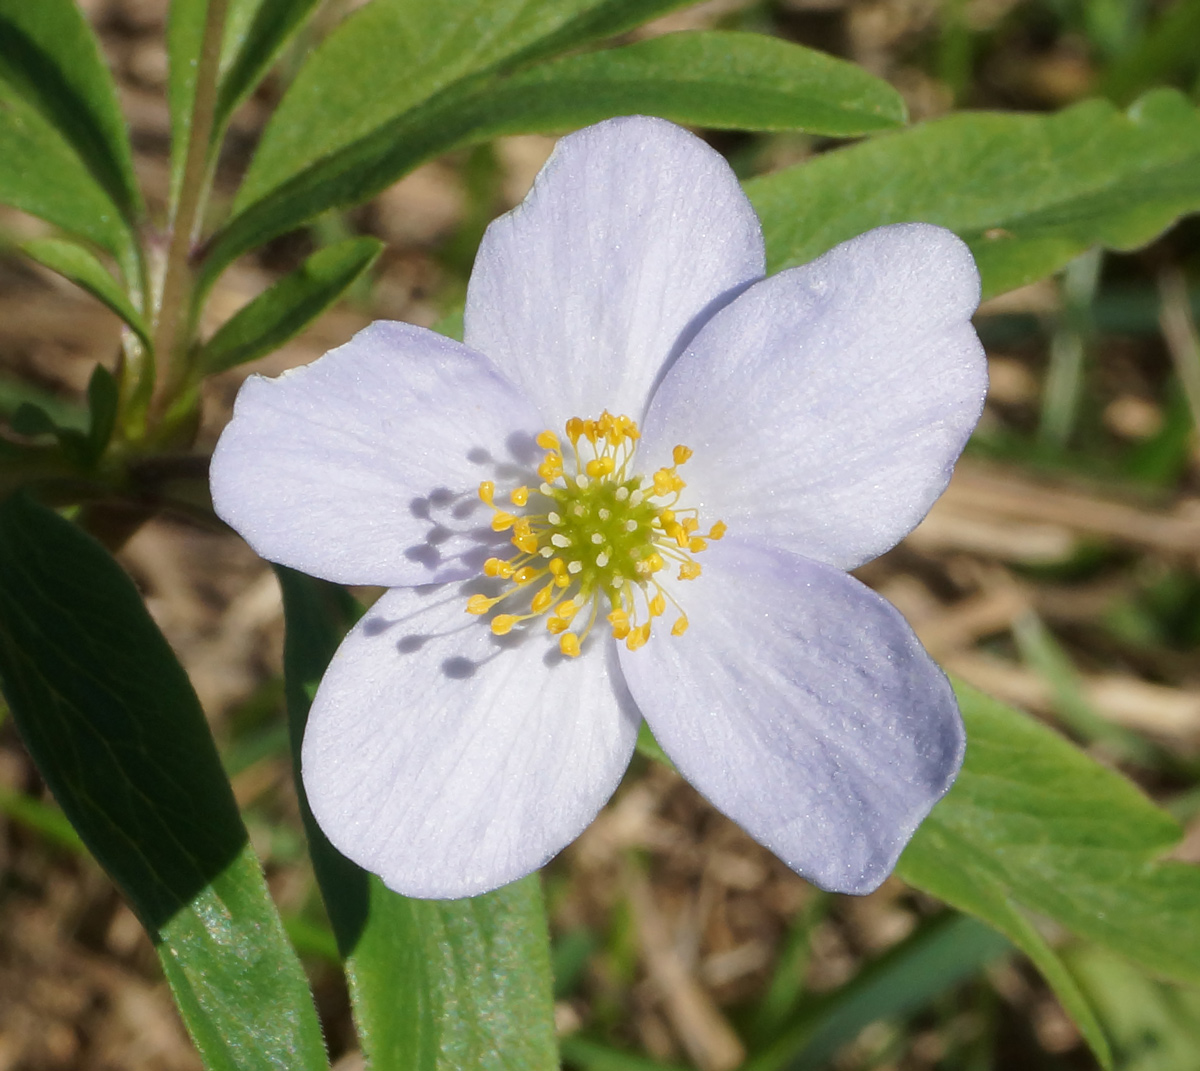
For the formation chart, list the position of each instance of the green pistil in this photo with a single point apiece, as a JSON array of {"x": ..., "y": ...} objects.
[{"x": 605, "y": 531}]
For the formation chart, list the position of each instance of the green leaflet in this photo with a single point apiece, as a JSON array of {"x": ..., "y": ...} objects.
[
  {"x": 114, "y": 726},
  {"x": 392, "y": 55},
  {"x": 1027, "y": 192},
  {"x": 436, "y": 985},
  {"x": 49, "y": 57},
  {"x": 78, "y": 264},
  {"x": 732, "y": 80},
  {"x": 1035, "y": 826},
  {"x": 289, "y": 306},
  {"x": 742, "y": 81},
  {"x": 42, "y": 175}
]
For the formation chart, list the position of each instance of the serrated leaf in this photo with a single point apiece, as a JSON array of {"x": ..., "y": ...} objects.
[
  {"x": 42, "y": 175},
  {"x": 50, "y": 58},
  {"x": 82, "y": 267},
  {"x": 436, "y": 985},
  {"x": 289, "y": 306},
  {"x": 742, "y": 81},
  {"x": 1027, "y": 192},
  {"x": 115, "y": 728},
  {"x": 392, "y": 55},
  {"x": 1035, "y": 826}
]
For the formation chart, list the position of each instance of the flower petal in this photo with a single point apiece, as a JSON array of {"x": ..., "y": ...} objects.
[
  {"x": 828, "y": 404},
  {"x": 450, "y": 761},
  {"x": 364, "y": 466},
  {"x": 633, "y": 233},
  {"x": 801, "y": 704}
]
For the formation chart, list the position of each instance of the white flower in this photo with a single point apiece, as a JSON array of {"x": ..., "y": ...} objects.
[{"x": 452, "y": 751}]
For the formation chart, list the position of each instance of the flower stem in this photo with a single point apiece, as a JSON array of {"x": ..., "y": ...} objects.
[{"x": 185, "y": 221}]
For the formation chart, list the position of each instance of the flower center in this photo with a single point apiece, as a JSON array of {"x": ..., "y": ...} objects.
[{"x": 594, "y": 538}]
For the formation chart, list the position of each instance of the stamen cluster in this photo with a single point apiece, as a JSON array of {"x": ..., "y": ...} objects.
[{"x": 594, "y": 537}]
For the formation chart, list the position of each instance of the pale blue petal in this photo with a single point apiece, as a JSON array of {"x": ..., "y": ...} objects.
[
  {"x": 450, "y": 761},
  {"x": 364, "y": 466},
  {"x": 801, "y": 704},
  {"x": 828, "y": 404},
  {"x": 634, "y": 232}
]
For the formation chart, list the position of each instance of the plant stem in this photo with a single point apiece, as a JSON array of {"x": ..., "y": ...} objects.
[{"x": 176, "y": 288}]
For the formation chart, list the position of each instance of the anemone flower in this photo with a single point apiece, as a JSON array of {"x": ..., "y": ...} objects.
[{"x": 632, "y": 492}]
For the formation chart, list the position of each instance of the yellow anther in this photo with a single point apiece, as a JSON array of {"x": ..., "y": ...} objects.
[
  {"x": 567, "y": 609},
  {"x": 652, "y": 563},
  {"x": 696, "y": 544},
  {"x": 527, "y": 543},
  {"x": 480, "y": 604},
  {"x": 557, "y": 625},
  {"x": 487, "y": 491},
  {"x": 551, "y": 467},
  {"x": 492, "y": 566},
  {"x": 589, "y": 430},
  {"x": 680, "y": 535},
  {"x": 638, "y": 637},
  {"x": 525, "y": 574},
  {"x": 657, "y": 605},
  {"x": 568, "y": 643},
  {"x": 666, "y": 516},
  {"x": 574, "y": 429},
  {"x": 542, "y": 600},
  {"x": 718, "y": 530},
  {"x": 690, "y": 524},
  {"x": 619, "y": 620},
  {"x": 600, "y": 466},
  {"x": 667, "y": 481},
  {"x": 689, "y": 570},
  {"x": 547, "y": 440},
  {"x": 502, "y": 520},
  {"x": 680, "y": 626},
  {"x": 502, "y": 623},
  {"x": 518, "y": 496},
  {"x": 681, "y": 454}
]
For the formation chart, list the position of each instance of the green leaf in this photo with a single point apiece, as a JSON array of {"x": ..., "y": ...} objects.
[
  {"x": 1034, "y": 826},
  {"x": 436, "y": 985},
  {"x": 1154, "y": 1027},
  {"x": 392, "y": 55},
  {"x": 1028, "y": 193},
  {"x": 289, "y": 306},
  {"x": 104, "y": 398},
  {"x": 81, "y": 266},
  {"x": 49, "y": 57},
  {"x": 42, "y": 175},
  {"x": 115, "y": 728},
  {"x": 742, "y": 81},
  {"x": 258, "y": 46}
]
